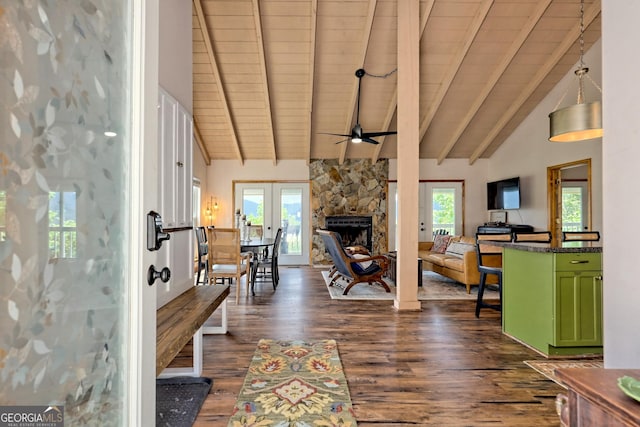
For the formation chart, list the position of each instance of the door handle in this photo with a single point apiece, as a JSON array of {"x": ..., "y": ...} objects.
[
  {"x": 153, "y": 274},
  {"x": 155, "y": 233},
  {"x": 579, "y": 261}
]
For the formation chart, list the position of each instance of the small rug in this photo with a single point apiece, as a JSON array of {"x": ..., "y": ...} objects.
[
  {"x": 294, "y": 384},
  {"x": 179, "y": 399},
  {"x": 547, "y": 367},
  {"x": 434, "y": 287}
]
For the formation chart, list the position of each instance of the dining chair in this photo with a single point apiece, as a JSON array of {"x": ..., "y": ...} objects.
[
  {"x": 203, "y": 255},
  {"x": 580, "y": 236},
  {"x": 225, "y": 258},
  {"x": 269, "y": 263},
  {"x": 489, "y": 263},
  {"x": 533, "y": 236}
]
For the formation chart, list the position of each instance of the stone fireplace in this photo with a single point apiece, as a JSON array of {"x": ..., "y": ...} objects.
[
  {"x": 353, "y": 229},
  {"x": 354, "y": 189}
]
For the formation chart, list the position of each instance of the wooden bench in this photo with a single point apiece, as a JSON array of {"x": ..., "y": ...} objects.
[{"x": 182, "y": 319}]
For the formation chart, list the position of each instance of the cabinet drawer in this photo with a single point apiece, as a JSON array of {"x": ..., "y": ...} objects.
[{"x": 579, "y": 262}]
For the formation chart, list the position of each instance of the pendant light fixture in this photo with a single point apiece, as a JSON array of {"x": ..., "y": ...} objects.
[{"x": 583, "y": 120}]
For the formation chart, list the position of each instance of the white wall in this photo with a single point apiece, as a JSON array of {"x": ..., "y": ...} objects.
[
  {"x": 222, "y": 173},
  {"x": 175, "y": 48},
  {"x": 475, "y": 180},
  {"x": 527, "y": 152},
  {"x": 621, "y": 174}
]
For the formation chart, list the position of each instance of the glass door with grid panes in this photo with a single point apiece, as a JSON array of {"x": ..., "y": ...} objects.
[
  {"x": 440, "y": 209},
  {"x": 275, "y": 205}
]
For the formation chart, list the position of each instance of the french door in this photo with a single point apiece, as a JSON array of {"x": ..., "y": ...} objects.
[
  {"x": 274, "y": 205},
  {"x": 440, "y": 208},
  {"x": 78, "y": 91}
]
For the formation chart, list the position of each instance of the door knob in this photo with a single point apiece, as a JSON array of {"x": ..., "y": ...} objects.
[{"x": 153, "y": 274}]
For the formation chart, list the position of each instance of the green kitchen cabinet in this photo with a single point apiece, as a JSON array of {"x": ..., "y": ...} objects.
[{"x": 552, "y": 301}]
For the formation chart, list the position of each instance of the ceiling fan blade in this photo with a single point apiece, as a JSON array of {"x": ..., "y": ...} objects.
[
  {"x": 369, "y": 134},
  {"x": 369, "y": 140},
  {"x": 341, "y": 141},
  {"x": 334, "y": 134}
]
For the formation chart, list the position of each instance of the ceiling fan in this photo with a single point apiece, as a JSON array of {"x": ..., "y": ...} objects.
[{"x": 357, "y": 135}]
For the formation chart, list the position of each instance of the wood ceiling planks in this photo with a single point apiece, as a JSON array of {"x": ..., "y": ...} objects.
[{"x": 271, "y": 76}]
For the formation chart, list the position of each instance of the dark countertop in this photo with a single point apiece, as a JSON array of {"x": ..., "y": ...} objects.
[{"x": 562, "y": 247}]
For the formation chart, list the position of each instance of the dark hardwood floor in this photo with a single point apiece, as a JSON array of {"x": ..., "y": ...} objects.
[{"x": 438, "y": 367}]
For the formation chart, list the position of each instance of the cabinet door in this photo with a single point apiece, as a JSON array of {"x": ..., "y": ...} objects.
[
  {"x": 167, "y": 170},
  {"x": 578, "y": 308},
  {"x": 183, "y": 168}
]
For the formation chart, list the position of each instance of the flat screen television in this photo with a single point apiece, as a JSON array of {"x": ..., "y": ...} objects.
[{"x": 503, "y": 194}]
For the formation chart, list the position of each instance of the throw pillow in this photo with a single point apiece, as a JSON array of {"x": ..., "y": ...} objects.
[
  {"x": 440, "y": 243},
  {"x": 364, "y": 264},
  {"x": 459, "y": 249}
]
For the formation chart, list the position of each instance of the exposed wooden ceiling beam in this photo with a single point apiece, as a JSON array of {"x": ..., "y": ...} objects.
[
  {"x": 312, "y": 61},
  {"x": 200, "y": 141},
  {"x": 354, "y": 94},
  {"x": 495, "y": 76},
  {"x": 393, "y": 104},
  {"x": 265, "y": 81},
  {"x": 218, "y": 79},
  {"x": 589, "y": 15},
  {"x": 470, "y": 36}
]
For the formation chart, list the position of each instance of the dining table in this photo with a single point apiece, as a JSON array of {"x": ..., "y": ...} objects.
[{"x": 258, "y": 246}]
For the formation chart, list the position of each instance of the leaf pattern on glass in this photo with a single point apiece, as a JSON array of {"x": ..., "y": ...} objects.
[
  {"x": 15, "y": 125},
  {"x": 14, "y": 311},
  {"x": 18, "y": 86},
  {"x": 61, "y": 60}
]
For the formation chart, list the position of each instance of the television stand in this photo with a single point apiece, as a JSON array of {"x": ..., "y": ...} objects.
[{"x": 499, "y": 228}]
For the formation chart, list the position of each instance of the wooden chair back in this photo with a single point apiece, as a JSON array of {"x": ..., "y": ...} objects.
[
  {"x": 490, "y": 255},
  {"x": 225, "y": 258},
  {"x": 533, "y": 236},
  {"x": 580, "y": 236}
]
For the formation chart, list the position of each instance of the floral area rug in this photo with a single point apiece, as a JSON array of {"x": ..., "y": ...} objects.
[
  {"x": 434, "y": 287},
  {"x": 548, "y": 367},
  {"x": 294, "y": 384}
]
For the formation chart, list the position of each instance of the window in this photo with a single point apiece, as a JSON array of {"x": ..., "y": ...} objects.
[
  {"x": 253, "y": 205},
  {"x": 63, "y": 226},
  {"x": 444, "y": 210},
  {"x": 572, "y": 208}
]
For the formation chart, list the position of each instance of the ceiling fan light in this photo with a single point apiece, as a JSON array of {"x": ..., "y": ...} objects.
[
  {"x": 356, "y": 139},
  {"x": 577, "y": 122}
]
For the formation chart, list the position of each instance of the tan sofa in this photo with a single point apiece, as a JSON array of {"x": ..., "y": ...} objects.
[{"x": 459, "y": 262}]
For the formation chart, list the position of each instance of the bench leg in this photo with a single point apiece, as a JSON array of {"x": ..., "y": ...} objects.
[
  {"x": 196, "y": 369},
  {"x": 218, "y": 330}
]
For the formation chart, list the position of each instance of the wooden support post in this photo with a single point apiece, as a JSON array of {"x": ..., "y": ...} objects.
[{"x": 408, "y": 153}]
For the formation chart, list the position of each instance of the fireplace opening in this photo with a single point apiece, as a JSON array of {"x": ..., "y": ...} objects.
[{"x": 353, "y": 229}]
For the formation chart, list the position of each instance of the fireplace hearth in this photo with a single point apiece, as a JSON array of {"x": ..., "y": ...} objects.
[{"x": 353, "y": 229}]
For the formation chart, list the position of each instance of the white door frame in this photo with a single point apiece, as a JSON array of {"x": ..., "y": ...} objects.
[{"x": 144, "y": 197}]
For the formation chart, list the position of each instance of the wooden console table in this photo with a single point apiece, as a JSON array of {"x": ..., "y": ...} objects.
[{"x": 594, "y": 398}]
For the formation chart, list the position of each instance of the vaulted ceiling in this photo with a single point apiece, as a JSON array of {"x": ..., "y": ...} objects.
[{"x": 270, "y": 77}]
